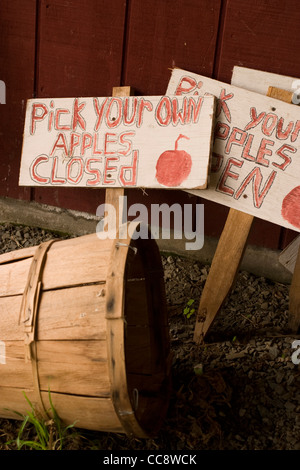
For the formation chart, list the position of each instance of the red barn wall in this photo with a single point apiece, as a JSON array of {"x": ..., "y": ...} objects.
[{"x": 56, "y": 48}]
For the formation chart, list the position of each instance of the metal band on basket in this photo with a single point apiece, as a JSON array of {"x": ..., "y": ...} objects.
[{"x": 28, "y": 315}]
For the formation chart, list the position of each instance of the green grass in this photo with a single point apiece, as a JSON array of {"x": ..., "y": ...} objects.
[
  {"x": 48, "y": 434},
  {"x": 188, "y": 311}
]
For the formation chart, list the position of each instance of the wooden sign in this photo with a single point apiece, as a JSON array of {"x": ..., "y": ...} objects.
[
  {"x": 256, "y": 157},
  {"x": 150, "y": 142},
  {"x": 259, "y": 81}
]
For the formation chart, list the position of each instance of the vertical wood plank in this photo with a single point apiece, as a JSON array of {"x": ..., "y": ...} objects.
[
  {"x": 80, "y": 54},
  {"x": 162, "y": 35},
  {"x": 17, "y": 32},
  {"x": 80, "y": 50},
  {"x": 262, "y": 35}
]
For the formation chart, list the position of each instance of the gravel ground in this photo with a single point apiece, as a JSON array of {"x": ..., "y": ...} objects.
[{"x": 239, "y": 390}]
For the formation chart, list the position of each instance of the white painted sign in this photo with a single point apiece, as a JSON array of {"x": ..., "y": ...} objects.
[
  {"x": 157, "y": 142},
  {"x": 259, "y": 81},
  {"x": 256, "y": 157}
]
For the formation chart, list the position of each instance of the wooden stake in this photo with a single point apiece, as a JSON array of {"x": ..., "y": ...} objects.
[
  {"x": 294, "y": 304},
  {"x": 113, "y": 195},
  {"x": 227, "y": 260},
  {"x": 223, "y": 271}
]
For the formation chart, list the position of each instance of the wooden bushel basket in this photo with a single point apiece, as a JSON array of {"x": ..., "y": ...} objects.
[{"x": 85, "y": 320}]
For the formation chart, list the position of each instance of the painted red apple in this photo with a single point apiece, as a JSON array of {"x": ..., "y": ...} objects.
[
  {"x": 173, "y": 166},
  {"x": 290, "y": 210}
]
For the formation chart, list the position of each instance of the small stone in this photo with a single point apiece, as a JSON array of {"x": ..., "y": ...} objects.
[
  {"x": 235, "y": 355},
  {"x": 290, "y": 379},
  {"x": 290, "y": 406},
  {"x": 262, "y": 411},
  {"x": 278, "y": 389},
  {"x": 266, "y": 420},
  {"x": 290, "y": 365},
  {"x": 279, "y": 376},
  {"x": 273, "y": 352}
]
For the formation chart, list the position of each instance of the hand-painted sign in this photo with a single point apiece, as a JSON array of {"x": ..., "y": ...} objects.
[
  {"x": 259, "y": 81},
  {"x": 256, "y": 157},
  {"x": 157, "y": 142}
]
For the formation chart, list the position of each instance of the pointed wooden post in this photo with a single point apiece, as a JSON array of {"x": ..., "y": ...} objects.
[
  {"x": 223, "y": 270},
  {"x": 113, "y": 195},
  {"x": 294, "y": 303}
]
